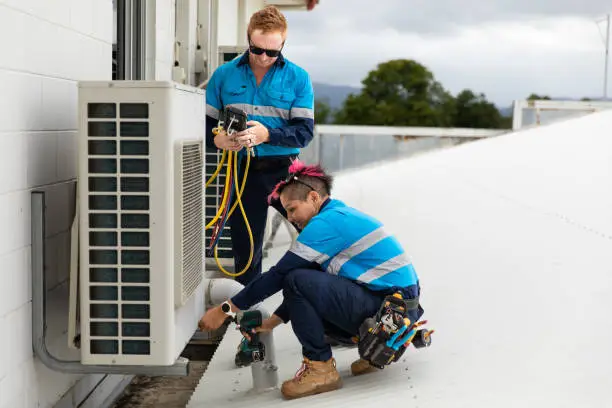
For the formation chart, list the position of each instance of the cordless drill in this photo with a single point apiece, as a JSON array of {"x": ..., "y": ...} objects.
[{"x": 251, "y": 350}]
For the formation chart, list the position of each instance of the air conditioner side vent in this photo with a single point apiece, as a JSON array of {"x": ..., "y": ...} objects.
[{"x": 192, "y": 222}]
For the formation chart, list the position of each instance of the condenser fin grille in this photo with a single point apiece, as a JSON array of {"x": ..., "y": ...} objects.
[
  {"x": 192, "y": 222},
  {"x": 119, "y": 228}
]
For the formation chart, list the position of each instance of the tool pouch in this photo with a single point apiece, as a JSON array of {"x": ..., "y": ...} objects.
[
  {"x": 379, "y": 337},
  {"x": 372, "y": 344}
]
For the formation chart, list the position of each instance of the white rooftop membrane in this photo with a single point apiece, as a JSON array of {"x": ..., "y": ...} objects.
[{"x": 512, "y": 240}]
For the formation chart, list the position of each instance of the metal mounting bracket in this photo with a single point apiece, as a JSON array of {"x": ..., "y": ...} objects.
[{"x": 39, "y": 314}]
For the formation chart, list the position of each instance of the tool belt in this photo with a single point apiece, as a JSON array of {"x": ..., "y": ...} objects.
[
  {"x": 384, "y": 337},
  {"x": 271, "y": 163}
]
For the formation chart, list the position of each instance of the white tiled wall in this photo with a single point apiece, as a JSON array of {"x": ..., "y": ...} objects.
[
  {"x": 164, "y": 39},
  {"x": 45, "y": 47}
]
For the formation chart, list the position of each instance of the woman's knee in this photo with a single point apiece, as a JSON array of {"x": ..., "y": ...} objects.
[
  {"x": 296, "y": 279},
  {"x": 300, "y": 280}
]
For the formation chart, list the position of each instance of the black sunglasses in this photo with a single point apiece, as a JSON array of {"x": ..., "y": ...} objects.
[{"x": 270, "y": 53}]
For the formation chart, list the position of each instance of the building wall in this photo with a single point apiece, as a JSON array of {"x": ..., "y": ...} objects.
[
  {"x": 46, "y": 47},
  {"x": 228, "y": 20},
  {"x": 161, "y": 39}
]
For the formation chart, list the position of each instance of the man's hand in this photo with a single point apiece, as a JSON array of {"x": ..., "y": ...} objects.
[
  {"x": 256, "y": 134},
  {"x": 213, "y": 319},
  {"x": 310, "y": 4},
  {"x": 224, "y": 141}
]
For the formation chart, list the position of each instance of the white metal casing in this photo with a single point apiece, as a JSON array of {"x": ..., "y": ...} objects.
[
  {"x": 529, "y": 113},
  {"x": 286, "y": 5},
  {"x": 141, "y": 158}
]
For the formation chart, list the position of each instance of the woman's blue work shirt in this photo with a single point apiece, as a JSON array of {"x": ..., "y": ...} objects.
[{"x": 342, "y": 241}]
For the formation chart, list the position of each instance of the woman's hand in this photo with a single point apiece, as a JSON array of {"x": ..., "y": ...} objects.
[
  {"x": 213, "y": 319},
  {"x": 266, "y": 326}
]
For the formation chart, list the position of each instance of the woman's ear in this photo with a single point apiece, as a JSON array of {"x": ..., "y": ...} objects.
[{"x": 314, "y": 196}]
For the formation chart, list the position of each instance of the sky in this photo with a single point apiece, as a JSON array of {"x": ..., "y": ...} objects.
[{"x": 506, "y": 49}]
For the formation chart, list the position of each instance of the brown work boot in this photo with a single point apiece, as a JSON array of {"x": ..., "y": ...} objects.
[
  {"x": 362, "y": 366},
  {"x": 314, "y": 377}
]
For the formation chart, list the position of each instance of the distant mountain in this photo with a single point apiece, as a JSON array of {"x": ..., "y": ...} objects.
[
  {"x": 505, "y": 111},
  {"x": 333, "y": 95}
]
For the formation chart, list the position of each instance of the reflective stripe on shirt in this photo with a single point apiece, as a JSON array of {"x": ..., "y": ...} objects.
[
  {"x": 358, "y": 247},
  {"x": 259, "y": 110},
  {"x": 384, "y": 268},
  {"x": 307, "y": 253},
  {"x": 302, "y": 113},
  {"x": 212, "y": 111}
]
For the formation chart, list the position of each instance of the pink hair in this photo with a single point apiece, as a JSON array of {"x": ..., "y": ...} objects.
[{"x": 297, "y": 168}]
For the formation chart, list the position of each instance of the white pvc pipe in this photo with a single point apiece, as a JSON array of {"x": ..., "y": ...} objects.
[{"x": 264, "y": 373}]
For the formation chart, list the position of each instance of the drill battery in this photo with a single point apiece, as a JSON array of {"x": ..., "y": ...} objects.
[{"x": 384, "y": 337}]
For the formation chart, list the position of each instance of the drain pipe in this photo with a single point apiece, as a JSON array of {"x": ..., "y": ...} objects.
[
  {"x": 264, "y": 373},
  {"x": 39, "y": 313}
]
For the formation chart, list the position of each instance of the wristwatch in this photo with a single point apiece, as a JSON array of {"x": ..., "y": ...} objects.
[{"x": 227, "y": 309}]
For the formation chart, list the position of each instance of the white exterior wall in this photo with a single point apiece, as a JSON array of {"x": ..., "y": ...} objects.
[
  {"x": 161, "y": 39},
  {"x": 45, "y": 47},
  {"x": 233, "y": 19},
  {"x": 227, "y": 22}
]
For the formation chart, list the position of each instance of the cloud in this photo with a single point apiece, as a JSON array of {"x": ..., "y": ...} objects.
[
  {"x": 505, "y": 49},
  {"x": 439, "y": 16}
]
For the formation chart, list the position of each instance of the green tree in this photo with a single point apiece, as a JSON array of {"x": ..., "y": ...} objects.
[
  {"x": 506, "y": 122},
  {"x": 474, "y": 111},
  {"x": 398, "y": 93},
  {"x": 534, "y": 97},
  {"x": 322, "y": 112}
]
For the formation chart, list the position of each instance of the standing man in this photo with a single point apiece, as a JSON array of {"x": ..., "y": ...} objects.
[{"x": 278, "y": 98}]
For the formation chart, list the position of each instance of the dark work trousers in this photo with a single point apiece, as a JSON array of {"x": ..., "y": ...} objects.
[
  {"x": 264, "y": 174},
  {"x": 320, "y": 303}
]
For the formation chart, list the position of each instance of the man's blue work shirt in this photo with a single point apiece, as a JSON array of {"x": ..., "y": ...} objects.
[
  {"x": 283, "y": 102},
  {"x": 343, "y": 241}
]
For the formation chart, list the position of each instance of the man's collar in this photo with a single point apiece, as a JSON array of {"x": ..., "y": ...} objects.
[{"x": 245, "y": 59}]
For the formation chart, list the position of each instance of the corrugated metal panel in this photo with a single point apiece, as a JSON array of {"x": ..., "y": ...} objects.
[{"x": 225, "y": 386}]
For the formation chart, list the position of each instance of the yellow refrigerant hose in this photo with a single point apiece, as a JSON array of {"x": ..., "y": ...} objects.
[{"x": 232, "y": 159}]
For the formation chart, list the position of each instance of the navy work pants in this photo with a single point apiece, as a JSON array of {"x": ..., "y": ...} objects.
[
  {"x": 264, "y": 174},
  {"x": 320, "y": 303}
]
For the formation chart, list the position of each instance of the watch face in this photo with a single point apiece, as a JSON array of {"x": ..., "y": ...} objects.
[{"x": 225, "y": 307}]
